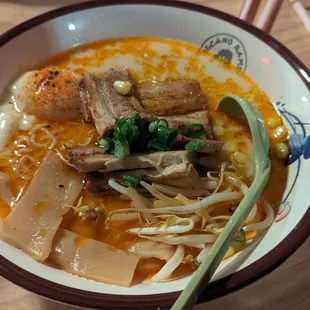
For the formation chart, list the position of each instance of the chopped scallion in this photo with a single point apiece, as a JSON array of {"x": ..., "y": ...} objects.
[
  {"x": 194, "y": 145},
  {"x": 108, "y": 143},
  {"x": 139, "y": 135},
  {"x": 166, "y": 135},
  {"x": 121, "y": 149},
  {"x": 125, "y": 130},
  {"x": 130, "y": 181},
  {"x": 139, "y": 121},
  {"x": 162, "y": 122},
  {"x": 153, "y": 127},
  {"x": 154, "y": 145},
  {"x": 194, "y": 131}
]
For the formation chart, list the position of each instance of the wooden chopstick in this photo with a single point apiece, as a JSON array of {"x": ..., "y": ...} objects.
[
  {"x": 249, "y": 10},
  {"x": 302, "y": 14},
  {"x": 269, "y": 14}
]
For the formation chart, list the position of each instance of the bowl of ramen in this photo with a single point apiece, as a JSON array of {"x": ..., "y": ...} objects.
[{"x": 117, "y": 173}]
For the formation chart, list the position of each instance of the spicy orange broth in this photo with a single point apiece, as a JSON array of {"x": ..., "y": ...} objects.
[{"x": 79, "y": 132}]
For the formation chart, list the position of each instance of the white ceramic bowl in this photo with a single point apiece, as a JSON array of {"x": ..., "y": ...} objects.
[{"x": 283, "y": 77}]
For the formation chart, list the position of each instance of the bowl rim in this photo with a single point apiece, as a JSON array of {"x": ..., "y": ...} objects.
[{"x": 249, "y": 274}]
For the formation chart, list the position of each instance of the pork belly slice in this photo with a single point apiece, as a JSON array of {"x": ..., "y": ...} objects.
[
  {"x": 97, "y": 181},
  {"x": 105, "y": 104},
  {"x": 171, "y": 97},
  {"x": 209, "y": 146},
  {"x": 181, "y": 101},
  {"x": 198, "y": 117},
  {"x": 90, "y": 158},
  {"x": 92, "y": 259},
  {"x": 87, "y": 158},
  {"x": 34, "y": 220}
]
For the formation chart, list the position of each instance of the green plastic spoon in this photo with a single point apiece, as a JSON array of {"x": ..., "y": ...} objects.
[{"x": 235, "y": 106}]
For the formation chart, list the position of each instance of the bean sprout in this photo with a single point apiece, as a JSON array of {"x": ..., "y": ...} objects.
[
  {"x": 204, "y": 203},
  {"x": 223, "y": 167},
  {"x": 266, "y": 222},
  {"x": 158, "y": 194},
  {"x": 238, "y": 183},
  {"x": 124, "y": 217},
  {"x": 201, "y": 256},
  {"x": 194, "y": 240},
  {"x": 173, "y": 191},
  {"x": 182, "y": 225},
  {"x": 170, "y": 266}
]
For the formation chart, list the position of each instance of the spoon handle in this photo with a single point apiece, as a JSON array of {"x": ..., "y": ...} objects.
[{"x": 204, "y": 273}]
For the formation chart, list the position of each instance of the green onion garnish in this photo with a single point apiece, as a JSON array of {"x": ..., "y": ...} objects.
[
  {"x": 194, "y": 145},
  {"x": 162, "y": 122},
  {"x": 153, "y": 127},
  {"x": 107, "y": 143},
  {"x": 125, "y": 129},
  {"x": 138, "y": 135},
  {"x": 194, "y": 131},
  {"x": 166, "y": 135},
  {"x": 153, "y": 144},
  {"x": 139, "y": 121},
  {"x": 130, "y": 181},
  {"x": 121, "y": 149}
]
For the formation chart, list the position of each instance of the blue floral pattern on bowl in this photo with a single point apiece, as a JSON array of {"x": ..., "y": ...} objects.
[
  {"x": 299, "y": 145},
  {"x": 299, "y": 142}
]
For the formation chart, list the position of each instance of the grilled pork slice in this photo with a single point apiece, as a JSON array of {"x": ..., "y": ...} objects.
[
  {"x": 199, "y": 117},
  {"x": 181, "y": 101},
  {"x": 97, "y": 182},
  {"x": 89, "y": 158},
  {"x": 34, "y": 220},
  {"x": 92, "y": 259},
  {"x": 105, "y": 104},
  {"x": 172, "y": 97}
]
